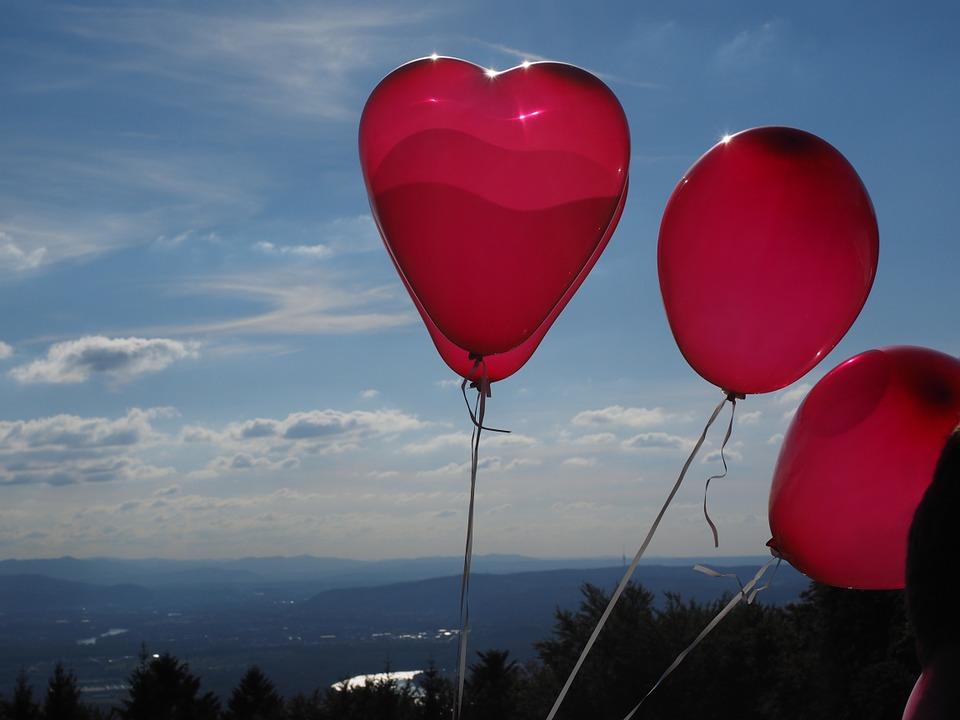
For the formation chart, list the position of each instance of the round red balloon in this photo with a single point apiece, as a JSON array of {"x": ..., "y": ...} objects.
[
  {"x": 493, "y": 191},
  {"x": 768, "y": 249},
  {"x": 858, "y": 456}
]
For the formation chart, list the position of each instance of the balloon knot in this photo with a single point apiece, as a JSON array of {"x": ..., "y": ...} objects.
[{"x": 774, "y": 551}]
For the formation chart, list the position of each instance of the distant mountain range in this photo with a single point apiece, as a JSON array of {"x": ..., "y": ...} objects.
[
  {"x": 307, "y": 621},
  {"x": 320, "y": 572}
]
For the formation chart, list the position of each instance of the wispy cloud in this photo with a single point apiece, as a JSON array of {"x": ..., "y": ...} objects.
[
  {"x": 63, "y": 202},
  {"x": 115, "y": 359},
  {"x": 297, "y": 305},
  {"x": 748, "y": 48},
  {"x": 5, "y": 350},
  {"x": 300, "y": 60},
  {"x": 15, "y": 258},
  {"x": 525, "y": 55}
]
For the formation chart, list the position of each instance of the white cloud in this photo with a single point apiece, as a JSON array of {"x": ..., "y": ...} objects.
[
  {"x": 461, "y": 441},
  {"x": 69, "y": 202},
  {"x": 775, "y": 439},
  {"x": 794, "y": 394},
  {"x": 486, "y": 464},
  {"x": 522, "y": 463},
  {"x": 438, "y": 442},
  {"x": 322, "y": 424},
  {"x": 13, "y": 257},
  {"x": 297, "y": 304},
  {"x": 67, "y": 449},
  {"x": 340, "y": 236},
  {"x": 749, "y": 418},
  {"x": 117, "y": 359},
  {"x": 657, "y": 441},
  {"x": 382, "y": 474},
  {"x": 74, "y": 432},
  {"x": 294, "y": 61},
  {"x": 369, "y": 394},
  {"x": 580, "y": 462},
  {"x": 5, "y": 350},
  {"x": 634, "y": 417},
  {"x": 512, "y": 439},
  {"x": 278, "y": 444},
  {"x": 449, "y": 383},
  {"x": 733, "y": 451},
  {"x": 748, "y": 48},
  {"x": 242, "y": 462},
  {"x": 788, "y": 415},
  {"x": 315, "y": 252},
  {"x": 595, "y": 439}
]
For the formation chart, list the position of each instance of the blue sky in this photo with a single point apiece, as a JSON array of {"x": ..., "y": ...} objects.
[{"x": 204, "y": 349}]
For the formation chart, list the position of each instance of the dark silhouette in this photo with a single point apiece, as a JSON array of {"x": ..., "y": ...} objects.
[
  {"x": 492, "y": 689},
  {"x": 931, "y": 590},
  {"x": 63, "y": 697},
  {"x": 842, "y": 654},
  {"x": 162, "y": 688},
  {"x": 255, "y": 698},
  {"x": 437, "y": 694},
  {"x": 384, "y": 700},
  {"x": 22, "y": 706},
  {"x": 934, "y": 543}
]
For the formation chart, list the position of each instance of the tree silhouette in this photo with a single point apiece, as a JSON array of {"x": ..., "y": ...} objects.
[
  {"x": 63, "y": 697},
  {"x": 437, "y": 694},
  {"x": 383, "y": 700},
  {"x": 492, "y": 688},
  {"x": 22, "y": 705},
  {"x": 164, "y": 689},
  {"x": 306, "y": 707},
  {"x": 255, "y": 698}
]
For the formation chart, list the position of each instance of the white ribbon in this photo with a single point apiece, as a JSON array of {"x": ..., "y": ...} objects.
[{"x": 747, "y": 593}]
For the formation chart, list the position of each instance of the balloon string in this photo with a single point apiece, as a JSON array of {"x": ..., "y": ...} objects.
[
  {"x": 482, "y": 385},
  {"x": 633, "y": 566},
  {"x": 726, "y": 438},
  {"x": 747, "y": 593}
]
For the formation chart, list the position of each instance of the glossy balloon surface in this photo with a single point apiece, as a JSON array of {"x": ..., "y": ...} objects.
[
  {"x": 493, "y": 191},
  {"x": 500, "y": 366},
  {"x": 857, "y": 458},
  {"x": 768, "y": 249}
]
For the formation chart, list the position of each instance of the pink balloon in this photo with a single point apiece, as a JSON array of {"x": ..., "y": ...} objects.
[
  {"x": 768, "y": 249},
  {"x": 492, "y": 191},
  {"x": 857, "y": 458},
  {"x": 502, "y": 365}
]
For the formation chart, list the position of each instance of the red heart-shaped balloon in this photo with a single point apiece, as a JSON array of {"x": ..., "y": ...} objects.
[{"x": 493, "y": 191}]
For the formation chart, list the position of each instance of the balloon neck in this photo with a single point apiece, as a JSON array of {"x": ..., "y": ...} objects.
[
  {"x": 479, "y": 382},
  {"x": 731, "y": 395},
  {"x": 774, "y": 550}
]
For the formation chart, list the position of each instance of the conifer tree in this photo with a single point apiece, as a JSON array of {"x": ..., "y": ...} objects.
[
  {"x": 63, "y": 697},
  {"x": 22, "y": 705},
  {"x": 163, "y": 688},
  {"x": 255, "y": 698}
]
